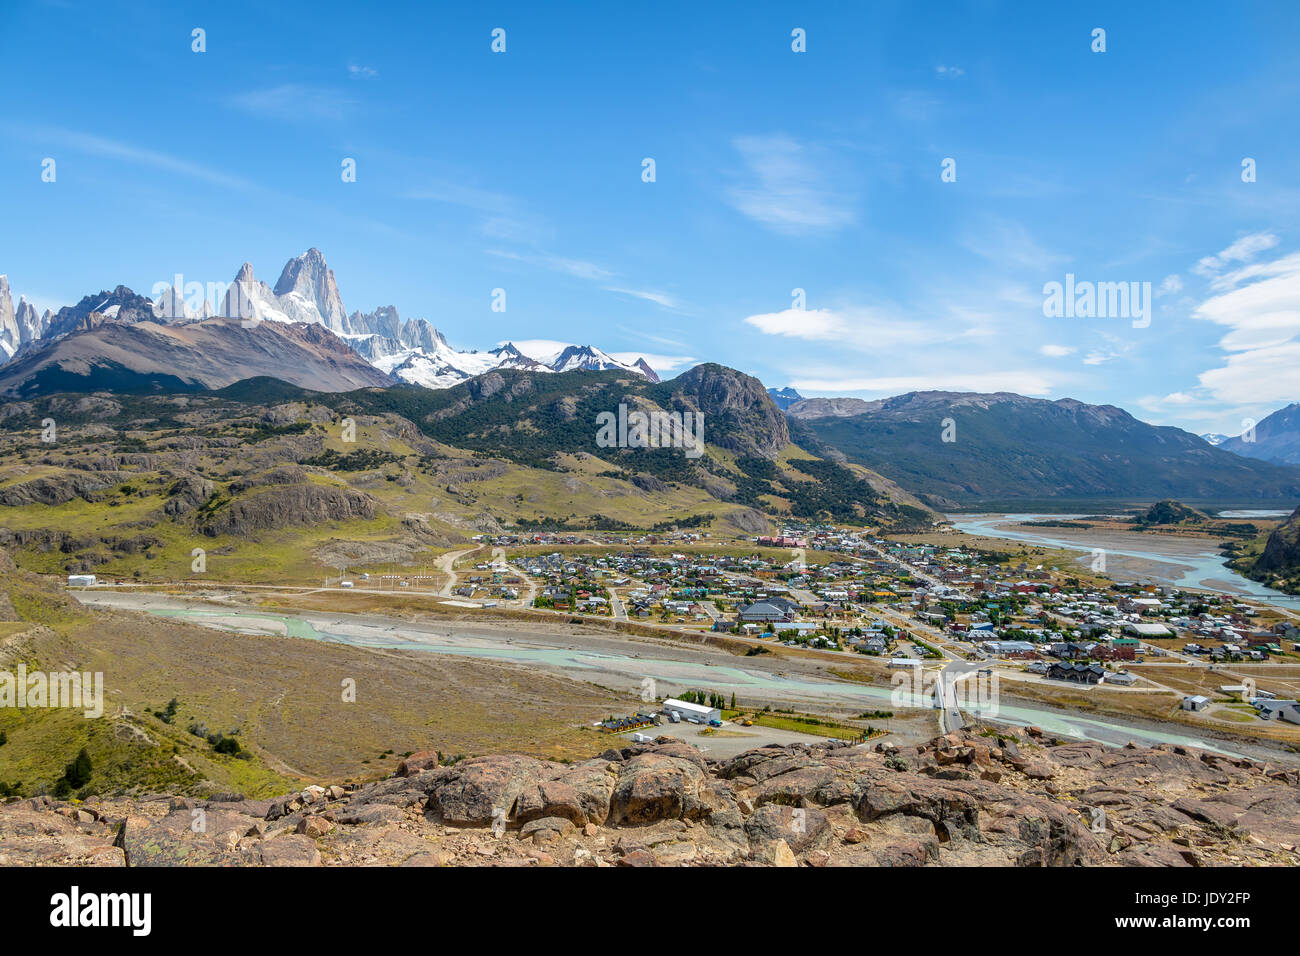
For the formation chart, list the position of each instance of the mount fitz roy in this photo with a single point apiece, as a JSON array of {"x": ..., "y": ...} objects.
[
  {"x": 20, "y": 325},
  {"x": 409, "y": 350}
]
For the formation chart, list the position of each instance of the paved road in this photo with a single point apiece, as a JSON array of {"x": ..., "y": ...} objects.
[
  {"x": 950, "y": 718},
  {"x": 735, "y": 738},
  {"x": 447, "y": 565},
  {"x": 916, "y": 572},
  {"x": 616, "y": 605}
]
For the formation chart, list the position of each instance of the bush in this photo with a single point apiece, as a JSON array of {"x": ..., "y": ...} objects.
[
  {"x": 75, "y": 776},
  {"x": 226, "y": 745},
  {"x": 166, "y": 716}
]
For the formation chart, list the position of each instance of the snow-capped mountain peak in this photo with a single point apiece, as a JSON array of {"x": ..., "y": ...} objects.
[
  {"x": 306, "y": 292},
  {"x": 583, "y": 357},
  {"x": 250, "y": 299},
  {"x": 591, "y": 359}
]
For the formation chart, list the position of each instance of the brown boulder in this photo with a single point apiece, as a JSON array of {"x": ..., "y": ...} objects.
[
  {"x": 422, "y": 760},
  {"x": 655, "y": 787}
]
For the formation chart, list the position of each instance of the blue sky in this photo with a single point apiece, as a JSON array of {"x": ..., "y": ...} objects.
[{"x": 775, "y": 171}]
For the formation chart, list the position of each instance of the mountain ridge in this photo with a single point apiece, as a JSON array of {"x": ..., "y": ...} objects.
[
  {"x": 207, "y": 354},
  {"x": 964, "y": 447}
]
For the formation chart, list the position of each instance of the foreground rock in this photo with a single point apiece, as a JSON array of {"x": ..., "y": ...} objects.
[{"x": 965, "y": 799}]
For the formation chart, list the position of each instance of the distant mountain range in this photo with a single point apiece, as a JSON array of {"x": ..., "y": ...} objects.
[
  {"x": 1276, "y": 438},
  {"x": 783, "y": 398},
  {"x": 410, "y": 350},
  {"x": 945, "y": 448},
  {"x": 954, "y": 448}
]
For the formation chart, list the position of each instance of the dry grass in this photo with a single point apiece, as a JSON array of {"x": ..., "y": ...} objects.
[
  {"x": 1280, "y": 679},
  {"x": 285, "y": 697}
]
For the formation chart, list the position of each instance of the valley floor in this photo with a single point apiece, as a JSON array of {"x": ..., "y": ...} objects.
[{"x": 621, "y": 663}]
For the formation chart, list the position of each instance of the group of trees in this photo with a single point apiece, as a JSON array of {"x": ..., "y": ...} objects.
[
  {"x": 362, "y": 459},
  {"x": 707, "y": 699},
  {"x": 220, "y": 742}
]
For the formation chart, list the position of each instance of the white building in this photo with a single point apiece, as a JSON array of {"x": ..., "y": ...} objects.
[
  {"x": 1147, "y": 630},
  {"x": 687, "y": 710},
  {"x": 80, "y": 580}
]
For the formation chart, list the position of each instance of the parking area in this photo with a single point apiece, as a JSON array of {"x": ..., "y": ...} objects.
[{"x": 729, "y": 739}]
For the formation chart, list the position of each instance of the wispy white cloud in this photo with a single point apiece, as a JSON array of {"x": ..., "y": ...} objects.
[
  {"x": 461, "y": 194},
  {"x": 1009, "y": 243},
  {"x": 1113, "y": 347},
  {"x": 295, "y": 102},
  {"x": 649, "y": 337},
  {"x": 786, "y": 187},
  {"x": 361, "y": 72},
  {"x": 1263, "y": 307},
  {"x": 858, "y": 328},
  {"x": 658, "y": 298},
  {"x": 578, "y": 268},
  {"x": 1023, "y": 381},
  {"x": 1259, "y": 305},
  {"x": 1198, "y": 408},
  {"x": 1243, "y": 250},
  {"x": 951, "y": 72},
  {"x": 914, "y": 106},
  {"x": 583, "y": 269},
  {"x": 1263, "y": 376},
  {"x": 126, "y": 152},
  {"x": 1057, "y": 351},
  {"x": 503, "y": 218}
]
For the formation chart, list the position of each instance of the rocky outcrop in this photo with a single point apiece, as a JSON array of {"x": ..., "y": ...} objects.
[
  {"x": 1281, "y": 555},
  {"x": 966, "y": 799},
  {"x": 1168, "y": 511},
  {"x": 648, "y": 482},
  {"x": 186, "y": 494},
  {"x": 749, "y": 521},
  {"x": 285, "y": 506},
  {"x": 738, "y": 413},
  {"x": 59, "y": 489}
]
